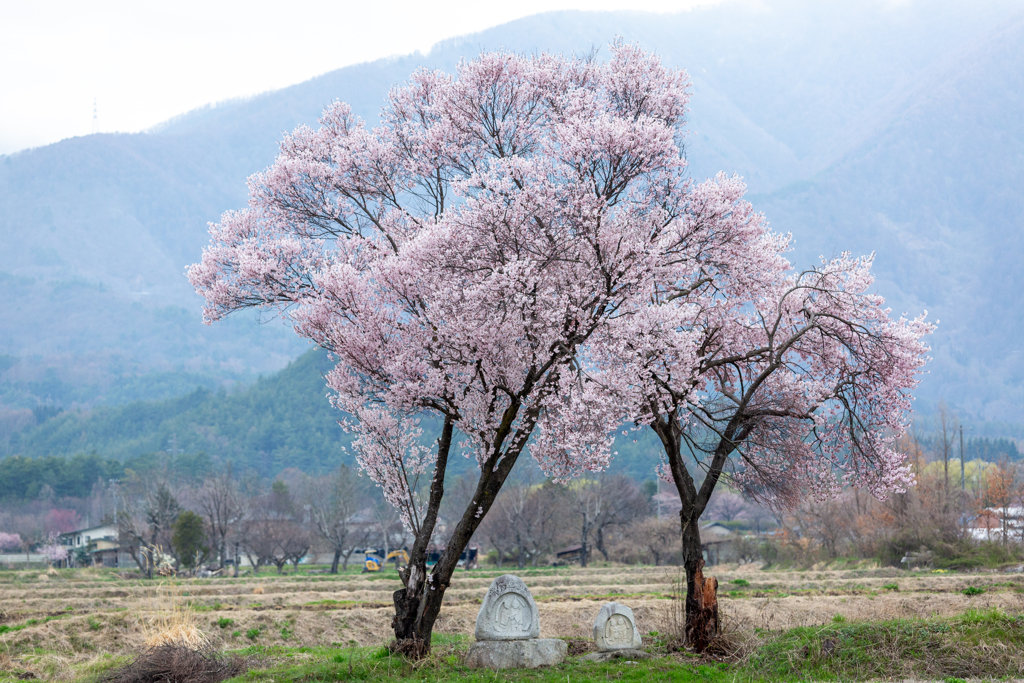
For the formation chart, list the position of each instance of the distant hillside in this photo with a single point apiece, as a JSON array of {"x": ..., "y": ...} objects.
[
  {"x": 282, "y": 421},
  {"x": 870, "y": 126}
]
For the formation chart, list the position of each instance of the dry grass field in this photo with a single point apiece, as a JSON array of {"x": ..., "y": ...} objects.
[{"x": 54, "y": 621}]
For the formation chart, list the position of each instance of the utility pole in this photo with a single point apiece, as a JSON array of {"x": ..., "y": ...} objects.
[{"x": 962, "y": 487}]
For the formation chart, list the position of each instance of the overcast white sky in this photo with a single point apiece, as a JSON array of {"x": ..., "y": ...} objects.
[{"x": 144, "y": 62}]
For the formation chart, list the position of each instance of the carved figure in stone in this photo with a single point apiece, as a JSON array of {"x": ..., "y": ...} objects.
[
  {"x": 618, "y": 630},
  {"x": 512, "y": 614},
  {"x": 615, "y": 628},
  {"x": 508, "y": 611}
]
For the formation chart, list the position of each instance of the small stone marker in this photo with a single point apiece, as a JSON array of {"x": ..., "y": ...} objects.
[
  {"x": 615, "y": 628},
  {"x": 616, "y": 635},
  {"x": 508, "y": 630}
]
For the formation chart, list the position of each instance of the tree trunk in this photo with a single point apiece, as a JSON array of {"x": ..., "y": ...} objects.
[
  {"x": 418, "y": 604},
  {"x": 337, "y": 558},
  {"x": 599, "y": 543},
  {"x": 701, "y": 591}
]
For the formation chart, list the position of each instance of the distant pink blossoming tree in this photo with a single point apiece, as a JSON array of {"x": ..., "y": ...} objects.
[
  {"x": 9, "y": 541},
  {"x": 53, "y": 550},
  {"x": 457, "y": 260},
  {"x": 62, "y": 521}
]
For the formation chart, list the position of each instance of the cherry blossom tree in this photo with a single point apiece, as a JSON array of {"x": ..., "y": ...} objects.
[
  {"x": 53, "y": 550},
  {"x": 457, "y": 260},
  {"x": 9, "y": 541},
  {"x": 790, "y": 383}
]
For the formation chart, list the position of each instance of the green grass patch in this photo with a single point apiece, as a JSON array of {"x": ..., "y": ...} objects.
[
  {"x": 901, "y": 648},
  {"x": 445, "y": 664},
  {"x": 973, "y": 590},
  {"x": 933, "y": 649}
]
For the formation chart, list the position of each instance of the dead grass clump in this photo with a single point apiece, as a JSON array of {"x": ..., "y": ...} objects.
[
  {"x": 172, "y": 662},
  {"x": 735, "y": 640},
  {"x": 176, "y": 625},
  {"x": 184, "y": 634},
  {"x": 258, "y": 590}
]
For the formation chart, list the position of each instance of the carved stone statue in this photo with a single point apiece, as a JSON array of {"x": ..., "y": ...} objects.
[
  {"x": 615, "y": 628},
  {"x": 508, "y": 630}
]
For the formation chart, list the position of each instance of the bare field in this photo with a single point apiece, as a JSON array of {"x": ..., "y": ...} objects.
[{"x": 78, "y": 615}]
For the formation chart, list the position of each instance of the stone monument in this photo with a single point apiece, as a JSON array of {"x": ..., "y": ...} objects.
[
  {"x": 508, "y": 630},
  {"x": 616, "y": 634}
]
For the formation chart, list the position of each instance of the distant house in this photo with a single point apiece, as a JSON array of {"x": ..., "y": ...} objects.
[
  {"x": 988, "y": 524},
  {"x": 570, "y": 554},
  {"x": 716, "y": 541},
  {"x": 100, "y": 543}
]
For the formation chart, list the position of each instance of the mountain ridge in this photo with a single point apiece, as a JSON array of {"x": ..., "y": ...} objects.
[{"x": 822, "y": 108}]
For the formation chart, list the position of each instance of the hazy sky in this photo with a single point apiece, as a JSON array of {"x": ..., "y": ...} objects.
[{"x": 144, "y": 62}]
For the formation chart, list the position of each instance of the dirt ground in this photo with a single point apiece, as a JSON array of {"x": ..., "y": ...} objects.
[{"x": 76, "y": 614}]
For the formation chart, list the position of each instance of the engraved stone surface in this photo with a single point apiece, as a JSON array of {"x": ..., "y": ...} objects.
[
  {"x": 516, "y": 654},
  {"x": 508, "y": 612},
  {"x": 615, "y": 628}
]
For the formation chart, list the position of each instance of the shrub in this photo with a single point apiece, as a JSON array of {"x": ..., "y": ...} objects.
[
  {"x": 973, "y": 590},
  {"x": 224, "y": 622},
  {"x": 171, "y": 662}
]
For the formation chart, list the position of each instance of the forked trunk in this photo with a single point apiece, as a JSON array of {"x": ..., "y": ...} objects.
[
  {"x": 701, "y": 592},
  {"x": 418, "y": 604}
]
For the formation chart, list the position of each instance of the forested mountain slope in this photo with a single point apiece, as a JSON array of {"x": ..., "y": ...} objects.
[
  {"x": 894, "y": 127},
  {"x": 281, "y": 421}
]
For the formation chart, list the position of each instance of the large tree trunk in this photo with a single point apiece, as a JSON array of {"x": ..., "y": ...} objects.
[
  {"x": 337, "y": 558},
  {"x": 701, "y": 591},
  {"x": 418, "y": 604}
]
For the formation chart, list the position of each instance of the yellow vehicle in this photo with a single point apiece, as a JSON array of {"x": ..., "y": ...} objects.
[{"x": 375, "y": 564}]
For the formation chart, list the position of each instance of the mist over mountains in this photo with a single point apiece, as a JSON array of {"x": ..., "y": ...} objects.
[{"x": 889, "y": 127}]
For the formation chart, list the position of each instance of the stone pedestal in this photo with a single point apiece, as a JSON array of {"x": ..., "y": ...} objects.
[
  {"x": 625, "y": 655},
  {"x": 508, "y": 630},
  {"x": 516, "y": 654}
]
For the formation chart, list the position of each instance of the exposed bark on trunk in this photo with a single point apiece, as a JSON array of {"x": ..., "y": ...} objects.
[{"x": 337, "y": 558}]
